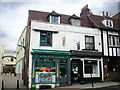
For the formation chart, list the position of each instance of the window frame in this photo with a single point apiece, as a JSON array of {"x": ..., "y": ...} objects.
[
  {"x": 46, "y": 38},
  {"x": 53, "y": 18},
  {"x": 94, "y": 64},
  {"x": 75, "y": 22},
  {"x": 113, "y": 40},
  {"x": 109, "y": 23},
  {"x": 90, "y": 43}
]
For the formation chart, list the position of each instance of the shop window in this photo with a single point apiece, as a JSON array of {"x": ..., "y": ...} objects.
[
  {"x": 48, "y": 63},
  {"x": 45, "y": 70},
  {"x": 113, "y": 40},
  {"x": 113, "y": 65},
  {"x": 89, "y": 43},
  {"x": 63, "y": 68},
  {"x": 45, "y": 38},
  {"x": 91, "y": 67}
]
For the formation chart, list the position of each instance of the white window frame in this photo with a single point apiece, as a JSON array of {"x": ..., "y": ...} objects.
[
  {"x": 93, "y": 74},
  {"x": 109, "y": 21},
  {"x": 110, "y": 40},
  {"x": 75, "y": 22},
  {"x": 50, "y": 19}
]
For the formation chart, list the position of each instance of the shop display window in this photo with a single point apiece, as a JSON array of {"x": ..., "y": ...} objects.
[{"x": 45, "y": 71}]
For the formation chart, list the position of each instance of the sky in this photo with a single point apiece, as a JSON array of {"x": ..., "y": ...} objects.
[{"x": 14, "y": 14}]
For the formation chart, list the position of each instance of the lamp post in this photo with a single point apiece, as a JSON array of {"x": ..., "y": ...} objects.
[
  {"x": 2, "y": 76},
  {"x": 22, "y": 63}
]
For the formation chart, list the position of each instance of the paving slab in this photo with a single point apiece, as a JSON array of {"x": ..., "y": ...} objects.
[{"x": 10, "y": 81}]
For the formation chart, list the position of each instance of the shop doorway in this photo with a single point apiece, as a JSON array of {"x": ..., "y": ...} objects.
[{"x": 76, "y": 71}]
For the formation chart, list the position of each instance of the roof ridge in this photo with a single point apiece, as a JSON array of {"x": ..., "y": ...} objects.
[{"x": 51, "y": 12}]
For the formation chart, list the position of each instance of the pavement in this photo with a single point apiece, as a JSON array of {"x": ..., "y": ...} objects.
[
  {"x": 10, "y": 81},
  {"x": 96, "y": 85}
]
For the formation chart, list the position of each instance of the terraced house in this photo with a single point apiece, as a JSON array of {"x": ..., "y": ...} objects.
[{"x": 62, "y": 49}]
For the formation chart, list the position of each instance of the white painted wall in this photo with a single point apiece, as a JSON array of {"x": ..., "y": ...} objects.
[
  {"x": 73, "y": 35},
  {"x": 105, "y": 43},
  {"x": 1, "y": 61},
  {"x": 20, "y": 52},
  {"x": 7, "y": 60},
  {"x": 18, "y": 69}
]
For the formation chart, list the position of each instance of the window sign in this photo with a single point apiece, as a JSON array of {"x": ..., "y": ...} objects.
[{"x": 45, "y": 77}]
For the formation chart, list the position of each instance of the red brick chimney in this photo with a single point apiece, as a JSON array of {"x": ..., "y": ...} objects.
[{"x": 84, "y": 8}]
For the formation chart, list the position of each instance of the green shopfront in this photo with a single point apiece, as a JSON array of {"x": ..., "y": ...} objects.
[{"x": 50, "y": 68}]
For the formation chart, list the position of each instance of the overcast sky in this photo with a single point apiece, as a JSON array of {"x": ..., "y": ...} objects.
[{"x": 14, "y": 14}]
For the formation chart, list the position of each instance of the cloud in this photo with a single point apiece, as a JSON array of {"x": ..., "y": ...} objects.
[{"x": 15, "y": 14}]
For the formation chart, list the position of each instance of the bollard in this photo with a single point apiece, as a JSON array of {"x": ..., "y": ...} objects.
[
  {"x": 2, "y": 85},
  {"x": 92, "y": 80},
  {"x": 17, "y": 84}
]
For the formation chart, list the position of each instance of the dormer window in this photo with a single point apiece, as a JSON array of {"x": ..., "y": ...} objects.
[
  {"x": 108, "y": 23},
  {"x": 75, "y": 22},
  {"x": 54, "y": 19}
]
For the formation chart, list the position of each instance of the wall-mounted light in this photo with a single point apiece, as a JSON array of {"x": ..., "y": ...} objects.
[{"x": 99, "y": 43}]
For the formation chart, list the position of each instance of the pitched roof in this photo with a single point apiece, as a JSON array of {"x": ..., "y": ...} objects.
[
  {"x": 95, "y": 21},
  {"x": 117, "y": 16},
  {"x": 98, "y": 21},
  {"x": 43, "y": 16}
]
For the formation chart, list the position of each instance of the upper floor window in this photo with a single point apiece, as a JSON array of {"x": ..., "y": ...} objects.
[
  {"x": 113, "y": 40},
  {"x": 89, "y": 43},
  {"x": 45, "y": 38},
  {"x": 54, "y": 19},
  {"x": 108, "y": 23},
  {"x": 75, "y": 22}
]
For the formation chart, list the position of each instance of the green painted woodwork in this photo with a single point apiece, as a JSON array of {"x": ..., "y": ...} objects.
[
  {"x": 42, "y": 63},
  {"x": 51, "y": 51},
  {"x": 50, "y": 56},
  {"x": 47, "y": 38}
]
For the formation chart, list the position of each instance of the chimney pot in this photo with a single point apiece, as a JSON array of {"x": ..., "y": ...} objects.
[
  {"x": 103, "y": 13},
  {"x": 106, "y": 13},
  {"x": 84, "y": 8}
]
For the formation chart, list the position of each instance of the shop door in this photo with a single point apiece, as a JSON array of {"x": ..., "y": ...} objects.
[
  {"x": 63, "y": 73},
  {"x": 76, "y": 70}
]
